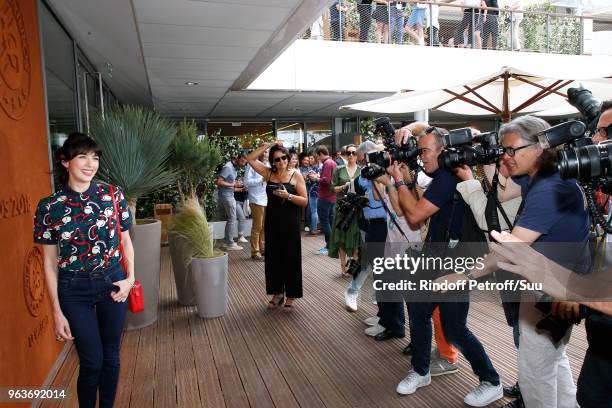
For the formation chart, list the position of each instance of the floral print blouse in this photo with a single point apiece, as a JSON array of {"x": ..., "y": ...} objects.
[{"x": 83, "y": 225}]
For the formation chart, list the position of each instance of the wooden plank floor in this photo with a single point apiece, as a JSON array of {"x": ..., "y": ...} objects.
[{"x": 314, "y": 356}]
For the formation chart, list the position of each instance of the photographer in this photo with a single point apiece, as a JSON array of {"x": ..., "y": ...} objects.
[
  {"x": 446, "y": 210},
  {"x": 553, "y": 211},
  {"x": 389, "y": 325},
  {"x": 595, "y": 380},
  {"x": 345, "y": 239}
]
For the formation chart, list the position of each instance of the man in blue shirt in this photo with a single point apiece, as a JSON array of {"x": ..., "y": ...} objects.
[
  {"x": 446, "y": 210},
  {"x": 554, "y": 212}
]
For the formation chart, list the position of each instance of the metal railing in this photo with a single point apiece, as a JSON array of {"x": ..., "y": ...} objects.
[{"x": 451, "y": 25}]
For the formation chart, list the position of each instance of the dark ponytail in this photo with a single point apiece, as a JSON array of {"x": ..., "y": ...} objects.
[{"x": 76, "y": 143}]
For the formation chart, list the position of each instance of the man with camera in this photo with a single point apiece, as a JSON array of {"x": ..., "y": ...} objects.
[
  {"x": 553, "y": 213},
  {"x": 446, "y": 210},
  {"x": 595, "y": 380}
]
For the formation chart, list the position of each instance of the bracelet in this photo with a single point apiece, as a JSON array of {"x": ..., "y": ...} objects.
[{"x": 400, "y": 183}]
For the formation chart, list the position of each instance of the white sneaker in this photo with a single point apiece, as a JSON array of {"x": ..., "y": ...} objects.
[
  {"x": 307, "y": 229},
  {"x": 350, "y": 299},
  {"x": 412, "y": 381},
  {"x": 484, "y": 394},
  {"x": 232, "y": 247},
  {"x": 241, "y": 238},
  {"x": 372, "y": 321},
  {"x": 374, "y": 330}
]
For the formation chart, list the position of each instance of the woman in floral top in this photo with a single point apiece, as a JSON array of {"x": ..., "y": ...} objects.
[{"x": 77, "y": 227}]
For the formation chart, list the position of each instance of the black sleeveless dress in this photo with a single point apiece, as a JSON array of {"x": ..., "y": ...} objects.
[{"x": 283, "y": 261}]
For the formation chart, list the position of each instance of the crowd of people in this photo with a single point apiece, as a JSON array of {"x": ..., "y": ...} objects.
[
  {"x": 402, "y": 22},
  {"x": 401, "y": 213}
]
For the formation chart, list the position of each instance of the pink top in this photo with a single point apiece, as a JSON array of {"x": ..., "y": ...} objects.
[{"x": 325, "y": 191}]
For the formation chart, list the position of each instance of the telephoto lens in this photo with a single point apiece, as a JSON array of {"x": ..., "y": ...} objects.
[
  {"x": 569, "y": 132},
  {"x": 586, "y": 162}
]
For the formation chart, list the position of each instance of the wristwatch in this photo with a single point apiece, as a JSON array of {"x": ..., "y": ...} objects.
[
  {"x": 400, "y": 183},
  {"x": 289, "y": 197},
  {"x": 469, "y": 275}
]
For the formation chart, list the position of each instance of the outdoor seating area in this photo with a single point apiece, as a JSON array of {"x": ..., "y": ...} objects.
[{"x": 315, "y": 356}]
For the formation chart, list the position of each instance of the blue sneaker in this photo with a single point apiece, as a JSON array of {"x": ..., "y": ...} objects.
[{"x": 322, "y": 251}]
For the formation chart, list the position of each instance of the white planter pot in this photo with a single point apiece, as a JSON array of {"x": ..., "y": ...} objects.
[
  {"x": 218, "y": 228},
  {"x": 146, "y": 239},
  {"x": 209, "y": 277}
]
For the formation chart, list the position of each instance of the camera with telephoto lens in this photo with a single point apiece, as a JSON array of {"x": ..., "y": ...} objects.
[
  {"x": 407, "y": 153},
  {"x": 349, "y": 207},
  {"x": 556, "y": 326},
  {"x": 460, "y": 148},
  {"x": 589, "y": 107},
  {"x": 353, "y": 267}
]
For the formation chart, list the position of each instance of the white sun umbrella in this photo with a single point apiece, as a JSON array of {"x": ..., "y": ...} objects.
[{"x": 504, "y": 93}]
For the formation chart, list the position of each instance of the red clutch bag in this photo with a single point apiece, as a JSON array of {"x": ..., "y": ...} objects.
[{"x": 136, "y": 298}]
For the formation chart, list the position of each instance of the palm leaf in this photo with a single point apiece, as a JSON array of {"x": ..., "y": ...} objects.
[{"x": 136, "y": 146}]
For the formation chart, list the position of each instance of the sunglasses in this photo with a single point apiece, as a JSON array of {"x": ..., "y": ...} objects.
[
  {"x": 604, "y": 131},
  {"x": 351, "y": 153},
  {"x": 279, "y": 158},
  {"x": 511, "y": 151}
]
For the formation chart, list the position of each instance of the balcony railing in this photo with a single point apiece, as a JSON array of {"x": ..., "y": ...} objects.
[{"x": 450, "y": 25}]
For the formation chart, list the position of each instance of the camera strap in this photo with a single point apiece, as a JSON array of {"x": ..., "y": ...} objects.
[
  {"x": 491, "y": 215},
  {"x": 391, "y": 215}
]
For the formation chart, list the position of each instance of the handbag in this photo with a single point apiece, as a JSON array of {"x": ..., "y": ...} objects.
[{"x": 135, "y": 298}]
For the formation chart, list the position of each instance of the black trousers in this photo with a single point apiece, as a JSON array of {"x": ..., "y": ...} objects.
[
  {"x": 595, "y": 381},
  {"x": 365, "y": 21},
  {"x": 490, "y": 28}
]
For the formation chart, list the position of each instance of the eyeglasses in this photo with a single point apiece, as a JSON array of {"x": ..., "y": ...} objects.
[
  {"x": 511, "y": 151},
  {"x": 351, "y": 153},
  {"x": 279, "y": 158},
  {"x": 604, "y": 131}
]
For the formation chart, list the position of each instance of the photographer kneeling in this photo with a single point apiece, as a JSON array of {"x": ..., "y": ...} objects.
[
  {"x": 446, "y": 210},
  {"x": 553, "y": 211}
]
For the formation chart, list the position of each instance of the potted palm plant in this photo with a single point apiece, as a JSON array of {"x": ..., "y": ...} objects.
[
  {"x": 136, "y": 144},
  {"x": 207, "y": 267},
  {"x": 194, "y": 160}
]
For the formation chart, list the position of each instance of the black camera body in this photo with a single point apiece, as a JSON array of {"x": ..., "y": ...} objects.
[
  {"x": 407, "y": 153},
  {"x": 353, "y": 267},
  {"x": 349, "y": 207},
  {"x": 463, "y": 149},
  {"x": 556, "y": 326}
]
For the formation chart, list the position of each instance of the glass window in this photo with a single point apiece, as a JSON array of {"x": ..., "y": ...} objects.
[
  {"x": 319, "y": 133},
  {"x": 58, "y": 54},
  {"x": 292, "y": 135}
]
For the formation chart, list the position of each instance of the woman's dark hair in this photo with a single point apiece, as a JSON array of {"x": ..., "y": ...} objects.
[
  {"x": 274, "y": 149},
  {"x": 301, "y": 157},
  {"x": 76, "y": 143}
]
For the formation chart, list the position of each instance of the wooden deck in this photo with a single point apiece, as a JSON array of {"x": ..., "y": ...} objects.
[{"x": 314, "y": 356}]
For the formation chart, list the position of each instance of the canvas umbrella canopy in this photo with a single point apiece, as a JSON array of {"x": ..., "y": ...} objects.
[{"x": 504, "y": 93}]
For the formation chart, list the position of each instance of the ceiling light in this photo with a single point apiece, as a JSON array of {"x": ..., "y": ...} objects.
[{"x": 191, "y": 83}]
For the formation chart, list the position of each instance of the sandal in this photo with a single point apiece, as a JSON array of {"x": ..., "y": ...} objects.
[
  {"x": 273, "y": 305},
  {"x": 288, "y": 306}
]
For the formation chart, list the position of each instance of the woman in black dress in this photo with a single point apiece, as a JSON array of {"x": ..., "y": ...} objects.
[{"x": 286, "y": 192}]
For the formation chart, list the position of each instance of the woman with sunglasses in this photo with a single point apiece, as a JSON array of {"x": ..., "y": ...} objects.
[
  {"x": 88, "y": 288},
  {"x": 286, "y": 191},
  {"x": 346, "y": 242}
]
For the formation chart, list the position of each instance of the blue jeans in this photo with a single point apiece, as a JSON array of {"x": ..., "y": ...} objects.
[
  {"x": 453, "y": 316},
  {"x": 313, "y": 218},
  {"x": 397, "y": 25},
  {"x": 325, "y": 210},
  {"x": 96, "y": 322}
]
